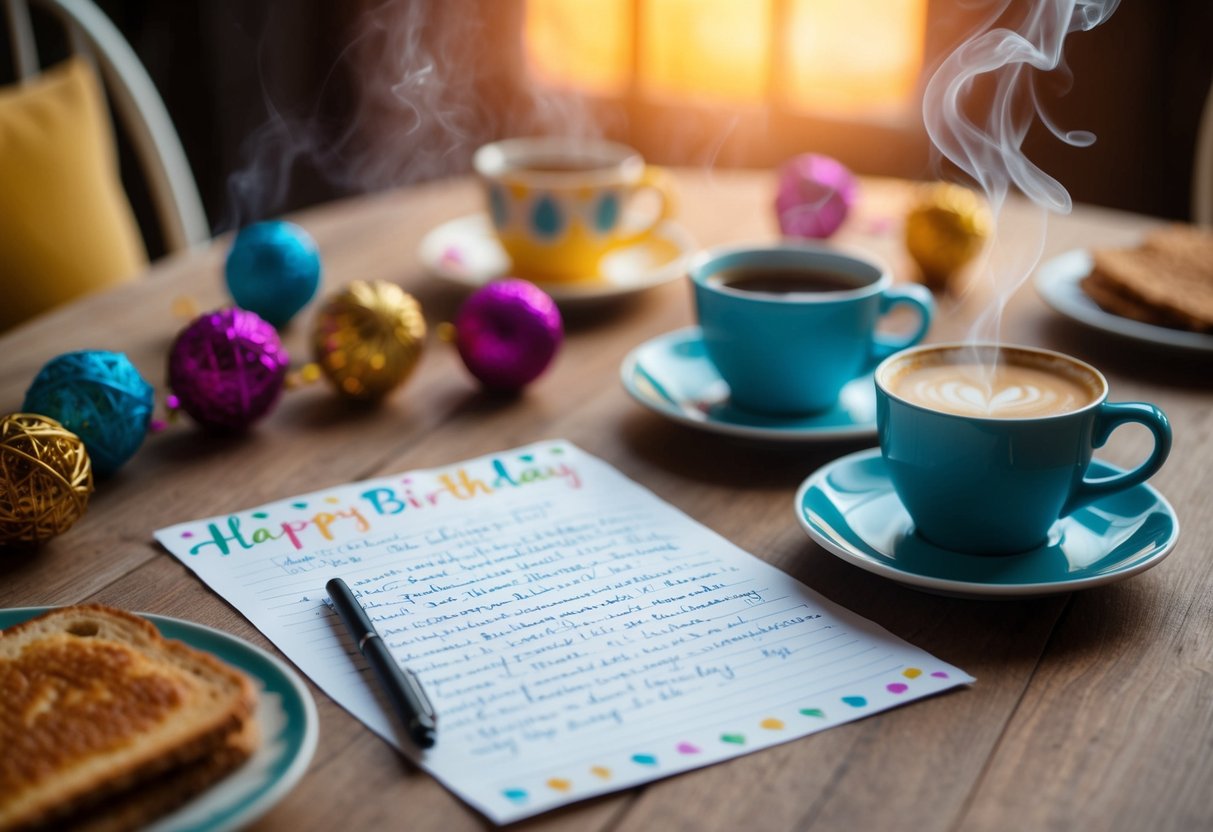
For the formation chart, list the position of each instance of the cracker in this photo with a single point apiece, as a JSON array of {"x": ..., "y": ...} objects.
[{"x": 1167, "y": 280}]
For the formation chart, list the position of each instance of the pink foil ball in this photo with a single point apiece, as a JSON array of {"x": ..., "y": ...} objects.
[
  {"x": 227, "y": 368},
  {"x": 815, "y": 195},
  {"x": 507, "y": 333}
]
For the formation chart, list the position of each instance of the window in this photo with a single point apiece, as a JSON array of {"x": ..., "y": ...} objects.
[{"x": 846, "y": 59}]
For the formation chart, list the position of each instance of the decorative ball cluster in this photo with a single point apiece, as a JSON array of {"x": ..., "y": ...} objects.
[
  {"x": 89, "y": 411},
  {"x": 226, "y": 369},
  {"x": 45, "y": 479},
  {"x": 99, "y": 396},
  {"x": 368, "y": 338}
]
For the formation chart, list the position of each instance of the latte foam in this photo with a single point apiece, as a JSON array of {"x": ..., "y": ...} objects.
[{"x": 1006, "y": 391}]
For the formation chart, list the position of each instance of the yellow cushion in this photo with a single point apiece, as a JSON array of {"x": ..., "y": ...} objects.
[{"x": 66, "y": 227}]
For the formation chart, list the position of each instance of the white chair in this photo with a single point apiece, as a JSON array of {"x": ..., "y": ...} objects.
[
  {"x": 1202, "y": 173},
  {"x": 138, "y": 106}
]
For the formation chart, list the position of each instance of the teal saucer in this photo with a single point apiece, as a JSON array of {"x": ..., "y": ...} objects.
[
  {"x": 850, "y": 508},
  {"x": 672, "y": 376}
]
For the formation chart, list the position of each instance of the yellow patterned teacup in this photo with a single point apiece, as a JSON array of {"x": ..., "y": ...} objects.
[{"x": 559, "y": 205}]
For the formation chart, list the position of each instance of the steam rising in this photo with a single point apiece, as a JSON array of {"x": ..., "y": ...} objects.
[
  {"x": 1004, "y": 61},
  {"x": 425, "y": 97}
]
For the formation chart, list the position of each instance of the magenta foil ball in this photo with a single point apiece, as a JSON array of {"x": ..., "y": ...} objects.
[
  {"x": 227, "y": 368},
  {"x": 508, "y": 332},
  {"x": 815, "y": 195}
]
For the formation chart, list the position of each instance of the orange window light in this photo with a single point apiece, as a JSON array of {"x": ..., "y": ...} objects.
[
  {"x": 709, "y": 49},
  {"x": 853, "y": 56},
  {"x": 585, "y": 44},
  {"x": 830, "y": 56}
]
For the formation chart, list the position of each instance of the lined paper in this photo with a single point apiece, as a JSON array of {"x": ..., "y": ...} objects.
[{"x": 576, "y": 634}]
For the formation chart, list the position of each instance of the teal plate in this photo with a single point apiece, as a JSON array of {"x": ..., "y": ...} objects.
[
  {"x": 286, "y": 716},
  {"x": 672, "y": 376},
  {"x": 850, "y": 508}
]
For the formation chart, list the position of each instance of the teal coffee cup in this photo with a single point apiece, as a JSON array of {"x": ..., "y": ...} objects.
[
  {"x": 988, "y": 447},
  {"x": 787, "y": 325}
]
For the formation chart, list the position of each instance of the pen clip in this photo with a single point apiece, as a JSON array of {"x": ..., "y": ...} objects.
[{"x": 419, "y": 694}]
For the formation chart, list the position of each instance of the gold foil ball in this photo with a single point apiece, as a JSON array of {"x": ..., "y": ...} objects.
[
  {"x": 368, "y": 338},
  {"x": 45, "y": 479},
  {"x": 945, "y": 229}
]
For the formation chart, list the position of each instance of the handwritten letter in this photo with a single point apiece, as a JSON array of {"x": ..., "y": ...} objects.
[{"x": 576, "y": 634}]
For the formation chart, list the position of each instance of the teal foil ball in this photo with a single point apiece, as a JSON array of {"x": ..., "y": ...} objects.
[
  {"x": 100, "y": 397},
  {"x": 273, "y": 269}
]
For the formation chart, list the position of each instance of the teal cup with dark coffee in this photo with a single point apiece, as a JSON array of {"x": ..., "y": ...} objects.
[
  {"x": 988, "y": 446},
  {"x": 787, "y": 325}
]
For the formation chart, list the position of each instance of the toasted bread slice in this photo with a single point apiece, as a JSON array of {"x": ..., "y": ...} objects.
[
  {"x": 97, "y": 701},
  {"x": 146, "y": 801}
]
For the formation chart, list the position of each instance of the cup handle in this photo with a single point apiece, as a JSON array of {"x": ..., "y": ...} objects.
[
  {"x": 909, "y": 295},
  {"x": 1108, "y": 418},
  {"x": 660, "y": 182}
]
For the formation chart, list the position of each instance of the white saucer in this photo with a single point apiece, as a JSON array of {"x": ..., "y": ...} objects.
[
  {"x": 1057, "y": 282},
  {"x": 672, "y": 376},
  {"x": 466, "y": 252},
  {"x": 849, "y": 507}
]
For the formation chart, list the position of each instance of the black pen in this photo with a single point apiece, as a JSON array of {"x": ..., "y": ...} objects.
[{"x": 400, "y": 684}]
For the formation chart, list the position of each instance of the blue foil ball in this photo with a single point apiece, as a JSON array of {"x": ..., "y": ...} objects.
[
  {"x": 273, "y": 269},
  {"x": 100, "y": 397}
]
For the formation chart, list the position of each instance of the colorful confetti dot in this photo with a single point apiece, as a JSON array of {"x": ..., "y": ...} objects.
[
  {"x": 187, "y": 534},
  {"x": 644, "y": 759},
  {"x": 515, "y": 795},
  {"x": 817, "y": 712},
  {"x": 526, "y": 458},
  {"x": 332, "y": 500},
  {"x": 736, "y": 739},
  {"x": 260, "y": 515},
  {"x": 772, "y": 724},
  {"x": 939, "y": 674},
  {"x": 560, "y": 784},
  {"x": 558, "y": 450},
  {"x": 687, "y": 748},
  {"x": 897, "y": 687},
  {"x": 855, "y": 701},
  {"x": 298, "y": 505},
  {"x": 911, "y": 673},
  {"x": 601, "y": 772}
]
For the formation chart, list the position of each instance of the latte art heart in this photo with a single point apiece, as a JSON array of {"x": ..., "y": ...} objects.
[
  {"x": 1009, "y": 392},
  {"x": 1013, "y": 399}
]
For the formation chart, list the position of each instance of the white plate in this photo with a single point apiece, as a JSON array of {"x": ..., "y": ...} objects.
[
  {"x": 465, "y": 251},
  {"x": 672, "y": 376},
  {"x": 286, "y": 716},
  {"x": 1057, "y": 283}
]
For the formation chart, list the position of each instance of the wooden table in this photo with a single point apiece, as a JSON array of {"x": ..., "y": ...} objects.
[{"x": 1091, "y": 711}]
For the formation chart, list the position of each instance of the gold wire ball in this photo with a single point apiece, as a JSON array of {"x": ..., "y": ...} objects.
[
  {"x": 945, "y": 229},
  {"x": 368, "y": 338},
  {"x": 45, "y": 479}
]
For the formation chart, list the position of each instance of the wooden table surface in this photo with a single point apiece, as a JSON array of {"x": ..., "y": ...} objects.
[{"x": 1092, "y": 710}]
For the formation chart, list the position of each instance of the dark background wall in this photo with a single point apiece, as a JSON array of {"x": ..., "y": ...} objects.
[{"x": 271, "y": 100}]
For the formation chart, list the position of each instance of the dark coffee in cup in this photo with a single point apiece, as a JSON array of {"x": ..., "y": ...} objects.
[
  {"x": 783, "y": 281},
  {"x": 560, "y": 165}
]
